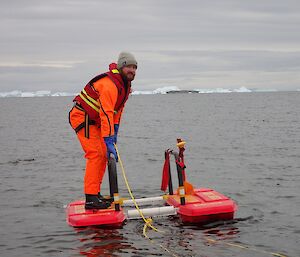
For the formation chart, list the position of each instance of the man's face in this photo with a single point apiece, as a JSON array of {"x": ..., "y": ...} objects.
[{"x": 129, "y": 72}]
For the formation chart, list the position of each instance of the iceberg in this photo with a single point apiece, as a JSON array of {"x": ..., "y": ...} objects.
[
  {"x": 63, "y": 94},
  {"x": 36, "y": 94},
  {"x": 214, "y": 90},
  {"x": 160, "y": 90},
  {"x": 242, "y": 90},
  {"x": 40, "y": 93},
  {"x": 135, "y": 92},
  {"x": 165, "y": 90},
  {"x": 15, "y": 93}
]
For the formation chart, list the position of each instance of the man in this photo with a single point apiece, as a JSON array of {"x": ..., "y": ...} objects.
[{"x": 95, "y": 118}]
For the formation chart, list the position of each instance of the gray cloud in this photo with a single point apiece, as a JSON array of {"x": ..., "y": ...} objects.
[{"x": 59, "y": 45}]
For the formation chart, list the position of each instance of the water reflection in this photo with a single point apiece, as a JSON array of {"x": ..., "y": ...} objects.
[
  {"x": 96, "y": 241},
  {"x": 223, "y": 233}
]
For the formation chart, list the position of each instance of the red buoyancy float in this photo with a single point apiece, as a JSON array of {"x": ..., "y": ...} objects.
[
  {"x": 203, "y": 206},
  {"x": 78, "y": 216}
]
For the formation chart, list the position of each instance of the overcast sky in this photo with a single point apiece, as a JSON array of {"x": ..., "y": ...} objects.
[{"x": 59, "y": 45}]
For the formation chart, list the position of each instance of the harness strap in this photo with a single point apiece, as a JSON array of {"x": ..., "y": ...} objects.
[
  {"x": 86, "y": 124},
  {"x": 78, "y": 107}
]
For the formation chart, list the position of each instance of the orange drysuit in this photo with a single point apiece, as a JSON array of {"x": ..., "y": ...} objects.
[{"x": 94, "y": 146}]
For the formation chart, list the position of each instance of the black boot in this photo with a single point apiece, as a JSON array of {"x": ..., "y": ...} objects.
[
  {"x": 93, "y": 202},
  {"x": 104, "y": 199}
]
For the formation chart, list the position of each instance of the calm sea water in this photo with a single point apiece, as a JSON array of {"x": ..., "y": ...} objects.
[{"x": 246, "y": 146}]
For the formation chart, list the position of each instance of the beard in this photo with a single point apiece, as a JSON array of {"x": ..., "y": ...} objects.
[{"x": 129, "y": 76}]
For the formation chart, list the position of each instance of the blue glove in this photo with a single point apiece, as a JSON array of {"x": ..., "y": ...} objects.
[
  {"x": 116, "y": 127},
  {"x": 110, "y": 148}
]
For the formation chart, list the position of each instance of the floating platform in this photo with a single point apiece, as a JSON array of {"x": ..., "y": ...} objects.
[
  {"x": 204, "y": 206},
  {"x": 191, "y": 205}
]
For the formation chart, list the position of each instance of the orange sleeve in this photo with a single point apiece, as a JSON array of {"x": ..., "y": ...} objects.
[
  {"x": 117, "y": 116},
  {"x": 108, "y": 95}
]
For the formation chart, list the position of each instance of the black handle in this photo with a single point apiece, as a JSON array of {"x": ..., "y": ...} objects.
[{"x": 113, "y": 182}]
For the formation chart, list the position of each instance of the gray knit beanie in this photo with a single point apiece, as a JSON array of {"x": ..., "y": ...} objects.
[{"x": 125, "y": 59}]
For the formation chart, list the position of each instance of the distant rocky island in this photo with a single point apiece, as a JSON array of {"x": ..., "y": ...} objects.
[{"x": 182, "y": 91}]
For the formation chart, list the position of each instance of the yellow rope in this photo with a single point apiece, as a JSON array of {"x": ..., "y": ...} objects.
[
  {"x": 147, "y": 221},
  {"x": 245, "y": 247},
  {"x": 153, "y": 242}
]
